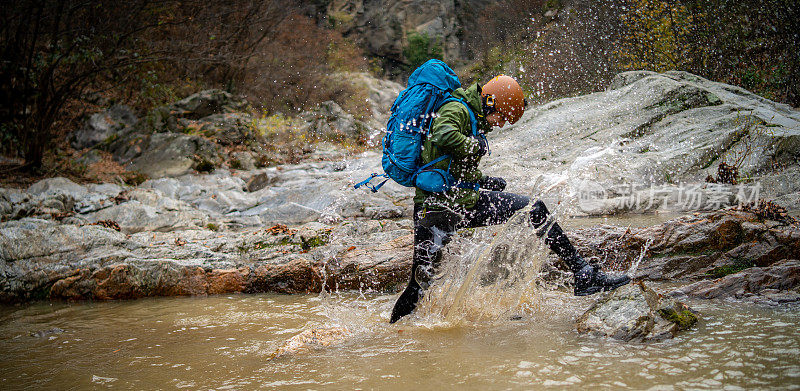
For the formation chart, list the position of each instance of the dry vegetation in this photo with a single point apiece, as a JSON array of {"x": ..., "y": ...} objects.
[{"x": 62, "y": 59}]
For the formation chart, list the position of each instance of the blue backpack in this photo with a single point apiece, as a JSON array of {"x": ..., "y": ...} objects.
[{"x": 413, "y": 111}]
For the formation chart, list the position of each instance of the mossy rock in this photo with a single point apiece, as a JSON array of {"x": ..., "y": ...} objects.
[{"x": 683, "y": 318}]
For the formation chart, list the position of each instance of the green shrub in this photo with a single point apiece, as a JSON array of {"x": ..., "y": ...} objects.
[{"x": 421, "y": 48}]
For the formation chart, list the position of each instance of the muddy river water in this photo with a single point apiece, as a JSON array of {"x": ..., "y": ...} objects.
[{"x": 224, "y": 342}]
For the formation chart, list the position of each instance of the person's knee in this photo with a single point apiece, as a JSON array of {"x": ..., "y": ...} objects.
[{"x": 539, "y": 213}]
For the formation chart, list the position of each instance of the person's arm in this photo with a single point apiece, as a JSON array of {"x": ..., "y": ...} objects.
[{"x": 447, "y": 132}]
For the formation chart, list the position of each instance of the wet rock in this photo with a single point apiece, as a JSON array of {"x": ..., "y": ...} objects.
[
  {"x": 636, "y": 312},
  {"x": 35, "y": 238},
  {"x": 692, "y": 247},
  {"x": 312, "y": 339},
  {"x": 104, "y": 127},
  {"x": 777, "y": 283},
  {"x": 44, "y": 259},
  {"x": 648, "y": 143},
  {"x": 136, "y": 216}
]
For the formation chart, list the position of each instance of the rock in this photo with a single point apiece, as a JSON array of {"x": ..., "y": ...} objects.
[
  {"x": 260, "y": 181},
  {"x": 48, "y": 332},
  {"x": 44, "y": 259},
  {"x": 692, "y": 247},
  {"x": 243, "y": 161},
  {"x": 104, "y": 126},
  {"x": 329, "y": 121},
  {"x": 190, "y": 134},
  {"x": 90, "y": 157},
  {"x": 196, "y": 106},
  {"x": 135, "y": 216},
  {"x": 635, "y": 312},
  {"x": 40, "y": 239},
  {"x": 173, "y": 154},
  {"x": 226, "y": 129},
  {"x": 777, "y": 283},
  {"x": 382, "y": 94},
  {"x": 312, "y": 339},
  {"x": 382, "y": 26},
  {"x": 647, "y": 143},
  {"x": 59, "y": 185}
]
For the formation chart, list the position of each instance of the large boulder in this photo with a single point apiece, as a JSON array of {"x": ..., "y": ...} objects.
[
  {"x": 173, "y": 154},
  {"x": 636, "y": 312},
  {"x": 649, "y": 142},
  {"x": 693, "y": 247},
  {"x": 104, "y": 127}
]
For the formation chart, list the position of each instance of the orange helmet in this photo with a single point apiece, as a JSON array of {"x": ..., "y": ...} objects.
[{"x": 503, "y": 94}]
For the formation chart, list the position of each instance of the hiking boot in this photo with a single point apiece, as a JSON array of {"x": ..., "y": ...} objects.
[{"x": 590, "y": 280}]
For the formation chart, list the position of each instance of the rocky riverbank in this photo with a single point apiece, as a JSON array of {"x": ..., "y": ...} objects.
[
  {"x": 127, "y": 243},
  {"x": 301, "y": 227}
]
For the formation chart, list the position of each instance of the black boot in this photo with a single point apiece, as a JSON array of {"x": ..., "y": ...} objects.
[
  {"x": 432, "y": 231},
  {"x": 589, "y": 279},
  {"x": 407, "y": 301},
  {"x": 423, "y": 269}
]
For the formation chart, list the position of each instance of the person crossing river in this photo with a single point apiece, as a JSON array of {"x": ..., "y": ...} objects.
[{"x": 482, "y": 201}]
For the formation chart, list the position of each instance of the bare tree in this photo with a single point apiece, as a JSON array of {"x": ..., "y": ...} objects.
[{"x": 53, "y": 51}]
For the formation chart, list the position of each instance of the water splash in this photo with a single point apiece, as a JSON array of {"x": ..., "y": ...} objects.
[
  {"x": 492, "y": 278},
  {"x": 632, "y": 270}
]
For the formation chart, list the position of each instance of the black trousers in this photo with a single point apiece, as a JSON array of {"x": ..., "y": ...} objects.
[{"x": 434, "y": 226}]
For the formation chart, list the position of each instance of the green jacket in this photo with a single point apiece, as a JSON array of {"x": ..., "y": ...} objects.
[{"x": 451, "y": 134}]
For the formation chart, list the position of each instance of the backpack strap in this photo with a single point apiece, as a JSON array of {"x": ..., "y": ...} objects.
[
  {"x": 366, "y": 183},
  {"x": 434, "y": 161},
  {"x": 473, "y": 121}
]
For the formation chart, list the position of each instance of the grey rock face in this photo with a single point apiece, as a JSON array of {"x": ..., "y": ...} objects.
[
  {"x": 648, "y": 143},
  {"x": 186, "y": 135},
  {"x": 694, "y": 247},
  {"x": 196, "y": 106},
  {"x": 383, "y": 26},
  {"x": 57, "y": 185},
  {"x": 635, "y": 312},
  {"x": 381, "y": 96}
]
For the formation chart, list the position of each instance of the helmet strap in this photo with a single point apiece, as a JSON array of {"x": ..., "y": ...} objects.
[{"x": 488, "y": 103}]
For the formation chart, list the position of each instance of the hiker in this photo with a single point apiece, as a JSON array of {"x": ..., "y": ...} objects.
[{"x": 476, "y": 200}]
